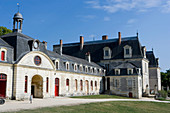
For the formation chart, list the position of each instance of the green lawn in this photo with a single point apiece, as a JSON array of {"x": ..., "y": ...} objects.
[
  {"x": 101, "y": 97},
  {"x": 107, "y": 107}
]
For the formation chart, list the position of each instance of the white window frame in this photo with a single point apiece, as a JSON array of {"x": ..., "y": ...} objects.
[
  {"x": 129, "y": 69},
  {"x": 130, "y": 51},
  {"x": 109, "y": 52},
  {"x": 56, "y": 64},
  {"x": 81, "y": 68},
  {"x": 68, "y": 66},
  {"x": 117, "y": 70},
  {"x": 5, "y": 50}
]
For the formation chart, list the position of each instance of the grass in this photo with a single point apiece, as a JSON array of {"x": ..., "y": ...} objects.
[
  {"x": 107, "y": 107},
  {"x": 101, "y": 97}
]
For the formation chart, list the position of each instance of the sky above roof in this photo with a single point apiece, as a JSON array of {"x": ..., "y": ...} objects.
[{"x": 52, "y": 20}]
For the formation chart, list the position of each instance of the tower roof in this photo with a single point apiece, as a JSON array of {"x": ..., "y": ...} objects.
[{"x": 18, "y": 16}]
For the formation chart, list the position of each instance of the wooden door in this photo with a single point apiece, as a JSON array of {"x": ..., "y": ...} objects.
[
  {"x": 3, "y": 79},
  {"x": 57, "y": 87}
]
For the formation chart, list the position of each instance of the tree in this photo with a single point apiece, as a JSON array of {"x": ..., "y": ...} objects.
[
  {"x": 165, "y": 78},
  {"x": 4, "y": 30}
]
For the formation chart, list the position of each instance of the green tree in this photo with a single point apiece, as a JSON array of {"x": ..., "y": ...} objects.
[
  {"x": 165, "y": 78},
  {"x": 4, "y": 30}
]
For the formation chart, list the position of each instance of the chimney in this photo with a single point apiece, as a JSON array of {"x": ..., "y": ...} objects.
[
  {"x": 45, "y": 44},
  {"x": 119, "y": 34},
  {"x": 81, "y": 42},
  {"x": 104, "y": 37},
  {"x": 88, "y": 58},
  {"x": 61, "y": 46}
]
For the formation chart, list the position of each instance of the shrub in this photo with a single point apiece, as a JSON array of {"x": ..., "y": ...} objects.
[{"x": 162, "y": 94}]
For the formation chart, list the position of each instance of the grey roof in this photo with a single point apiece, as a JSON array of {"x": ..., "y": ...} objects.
[
  {"x": 3, "y": 43},
  {"x": 17, "y": 34},
  {"x": 125, "y": 65},
  {"x": 18, "y": 16},
  {"x": 152, "y": 60},
  {"x": 96, "y": 48}
]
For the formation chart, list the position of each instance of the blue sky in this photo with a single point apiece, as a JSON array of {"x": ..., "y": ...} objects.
[{"x": 52, "y": 20}]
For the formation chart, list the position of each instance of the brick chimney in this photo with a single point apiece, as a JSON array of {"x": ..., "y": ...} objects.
[
  {"x": 88, "y": 57},
  {"x": 61, "y": 46},
  {"x": 81, "y": 42},
  {"x": 45, "y": 44},
  {"x": 119, "y": 34},
  {"x": 104, "y": 37}
]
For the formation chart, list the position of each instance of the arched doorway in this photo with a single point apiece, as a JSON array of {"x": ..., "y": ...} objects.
[
  {"x": 37, "y": 86},
  {"x": 56, "y": 86},
  {"x": 130, "y": 94},
  {"x": 3, "y": 80},
  {"x": 87, "y": 87}
]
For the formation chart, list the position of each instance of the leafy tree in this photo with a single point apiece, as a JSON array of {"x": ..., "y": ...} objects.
[
  {"x": 165, "y": 78},
  {"x": 4, "y": 30}
]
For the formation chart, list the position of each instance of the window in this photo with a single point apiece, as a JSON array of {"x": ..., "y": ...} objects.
[
  {"x": 67, "y": 82},
  {"x": 134, "y": 84},
  {"x": 81, "y": 68},
  {"x": 113, "y": 83},
  {"x": 76, "y": 84},
  {"x": 130, "y": 83},
  {"x": 67, "y": 66},
  {"x": 57, "y": 64},
  {"x": 81, "y": 85},
  {"x": 127, "y": 51},
  {"x": 3, "y": 77},
  {"x": 47, "y": 85},
  {"x": 107, "y": 53},
  {"x": 117, "y": 71},
  {"x": 96, "y": 85},
  {"x": 75, "y": 67},
  {"x": 2, "y": 55},
  {"x": 91, "y": 85},
  {"x": 37, "y": 60},
  {"x": 26, "y": 81},
  {"x": 129, "y": 71},
  {"x": 117, "y": 83},
  {"x": 86, "y": 69}
]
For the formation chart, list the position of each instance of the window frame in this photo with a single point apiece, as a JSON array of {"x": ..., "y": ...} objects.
[{"x": 107, "y": 56}]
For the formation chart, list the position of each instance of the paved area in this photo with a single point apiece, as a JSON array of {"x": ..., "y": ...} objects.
[{"x": 13, "y": 105}]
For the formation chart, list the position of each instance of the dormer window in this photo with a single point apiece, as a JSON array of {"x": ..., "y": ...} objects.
[
  {"x": 57, "y": 64},
  {"x": 75, "y": 67},
  {"x": 127, "y": 51},
  {"x": 107, "y": 53},
  {"x": 67, "y": 65},
  {"x": 86, "y": 69},
  {"x": 130, "y": 71},
  {"x": 3, "y": 52},
  {"x": 81, "y": 68},
  {"x": 117, "y": 71}
]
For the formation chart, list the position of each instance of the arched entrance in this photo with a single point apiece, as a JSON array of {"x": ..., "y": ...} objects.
[
  {"x": 56, "y": 86},
  {"x": 130, "y": 94},
  {"x": 3, "y": 80},
  {"x": 37, "y": 86},
  {"x": 87, "y": 87}
]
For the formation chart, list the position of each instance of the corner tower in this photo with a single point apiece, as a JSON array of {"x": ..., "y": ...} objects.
[{"x": 17, "y": 22}]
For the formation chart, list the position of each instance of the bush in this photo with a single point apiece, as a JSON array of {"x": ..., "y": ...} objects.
[{"x": 162, "y": 94}]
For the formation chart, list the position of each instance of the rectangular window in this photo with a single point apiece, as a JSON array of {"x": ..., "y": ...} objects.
[
  {"x": 3, "y": 55},
  {"x": 130, "y": 83},
  {"x": 57, "y": 65},
  {"x": 106, "y": 53},
  {"x": 47, "y": 85},
  {"x": 26, "y": 80},
  {"x": 76, "y": 84},
  {"x": 127, "y": 51},
  {"x": 67, "y": 82}
]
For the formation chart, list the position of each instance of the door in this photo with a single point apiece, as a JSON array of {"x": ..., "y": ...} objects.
[
  {"x": 32, "y": 90},
  {"x": 3, "y": 80},
  {"x": 57, "y": 87},
  {"x": 108, "y": 83},
  {"x": 130, "y": 94}
]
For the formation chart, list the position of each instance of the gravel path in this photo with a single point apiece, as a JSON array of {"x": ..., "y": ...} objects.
[{"x": 13, "y": 105}]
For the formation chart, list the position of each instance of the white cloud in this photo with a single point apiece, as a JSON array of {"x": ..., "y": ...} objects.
[
  {"x": 131, "y": 21},
  {"x": 113, "y": 6},
  {"x": 106, "y": 18}
]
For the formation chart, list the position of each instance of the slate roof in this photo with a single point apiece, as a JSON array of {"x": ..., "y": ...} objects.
[
  {"x": 22, "y": 45},
  {"x": 123, "y": 69},
  {"x": 152, "y": 60},
  {"x": 3, "y": 43},
  {"x": 96, "y": 48}
]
